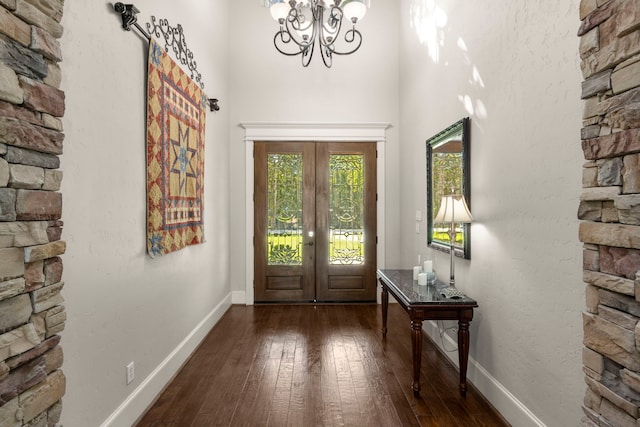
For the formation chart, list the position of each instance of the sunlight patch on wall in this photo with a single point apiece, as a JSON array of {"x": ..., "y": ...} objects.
[
  {"x": 477, "y": 108},
  {"x": 435, "y": 31},
  {"x": 462, "y": 45},
  {"x": 428, "y": 20},
  {"x": 476, "y": 78}
]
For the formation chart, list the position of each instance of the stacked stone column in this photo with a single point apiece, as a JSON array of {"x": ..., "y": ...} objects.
[
  {"x": 610, "y": 210},
  {"x": 31, "y": 306}
]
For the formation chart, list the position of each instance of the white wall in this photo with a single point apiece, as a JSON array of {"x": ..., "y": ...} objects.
[
  {"x": 267, "y": 86},
  {"x": 512, "y": 67},
  {"x": 122, "y": 305}
]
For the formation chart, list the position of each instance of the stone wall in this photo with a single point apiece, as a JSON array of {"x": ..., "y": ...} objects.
[
  {"x": 31, "y": 310},
  {"x": 610, "y": 210}
]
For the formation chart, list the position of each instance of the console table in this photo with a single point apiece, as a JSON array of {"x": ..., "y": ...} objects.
[{"x": 426, "y": 303}]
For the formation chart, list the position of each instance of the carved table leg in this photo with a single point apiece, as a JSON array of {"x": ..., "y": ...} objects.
[
  {"x": 416, "y": 346},
  {"x": 385, "y": 309},
  {"x": 463, "y": 354}
]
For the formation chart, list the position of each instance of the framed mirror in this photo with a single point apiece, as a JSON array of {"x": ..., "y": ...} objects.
[{"x": 449, "y": 172}]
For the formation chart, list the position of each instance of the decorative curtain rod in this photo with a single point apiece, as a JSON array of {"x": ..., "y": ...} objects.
[{"x": 173, "y": 36}]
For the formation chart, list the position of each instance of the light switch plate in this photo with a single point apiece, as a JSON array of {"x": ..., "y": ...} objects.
[{"x": 130, "y": 372}]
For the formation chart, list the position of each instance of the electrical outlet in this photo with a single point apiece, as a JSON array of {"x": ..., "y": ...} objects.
[
  {"x": 130, "y": 372},
  {"x": 417, "y": 228}
]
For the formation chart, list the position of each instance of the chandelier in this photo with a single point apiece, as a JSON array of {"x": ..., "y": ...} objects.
[{"x": 305, "y": 23}]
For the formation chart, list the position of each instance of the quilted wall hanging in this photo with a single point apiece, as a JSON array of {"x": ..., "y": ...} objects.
[
  {"x": 175, "y": 137},
  {"x": 175, "y": 156}
]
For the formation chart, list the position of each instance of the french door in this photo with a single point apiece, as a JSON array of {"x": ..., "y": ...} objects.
[{"x": 315, "y": 222}]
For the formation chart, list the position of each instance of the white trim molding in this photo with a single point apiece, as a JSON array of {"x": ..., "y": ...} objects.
[
  {"x": 310, "y": 131},
  {"x": 315, "y": 131}
]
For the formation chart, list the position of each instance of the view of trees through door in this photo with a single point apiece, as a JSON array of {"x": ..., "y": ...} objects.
[{"x": 315, "y": 218}]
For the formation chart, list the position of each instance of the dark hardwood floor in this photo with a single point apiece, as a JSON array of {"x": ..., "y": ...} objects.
[{"x": 306, "y": 365}]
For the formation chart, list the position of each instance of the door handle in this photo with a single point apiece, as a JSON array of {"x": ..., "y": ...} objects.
[{"x": 309, "y": 244}]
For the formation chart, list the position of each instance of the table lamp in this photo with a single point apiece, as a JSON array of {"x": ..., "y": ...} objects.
[{"x": 453, "y": 209}]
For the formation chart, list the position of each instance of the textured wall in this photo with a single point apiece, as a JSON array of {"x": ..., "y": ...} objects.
[
  {"x": 610, "y": 210},
  {"x": 32, "y": 313},
  {"x": 513, "y": 68}
]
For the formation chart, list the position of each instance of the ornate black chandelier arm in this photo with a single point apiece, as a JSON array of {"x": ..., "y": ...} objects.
[
  {"x": 350, "y": 37},
  {"x": 284, "y": 38},
  {"x": 296, "y": 28},
  {"x": 289, "y": 35},
  {"x": 328, "y": 50},
  {"x": 331, "y": 28}
]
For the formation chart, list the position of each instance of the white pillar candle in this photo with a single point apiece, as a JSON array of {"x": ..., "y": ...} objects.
[
  {"x": 422, "y": 279},
  {"x": 428, "y": 266},
  {"x": 416, "y": 270}
]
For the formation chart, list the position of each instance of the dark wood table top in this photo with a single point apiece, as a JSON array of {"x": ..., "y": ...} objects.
[{"x": 413, "y": 294}]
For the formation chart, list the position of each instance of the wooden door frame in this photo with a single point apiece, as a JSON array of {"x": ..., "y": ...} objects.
[{"x": 301, "y": 132}]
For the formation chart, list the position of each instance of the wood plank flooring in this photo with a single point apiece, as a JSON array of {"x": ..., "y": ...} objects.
[{"x": 306, "y": 365}]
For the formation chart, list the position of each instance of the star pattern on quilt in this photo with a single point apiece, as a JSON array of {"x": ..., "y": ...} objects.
[{"x": 184, "y": 157}]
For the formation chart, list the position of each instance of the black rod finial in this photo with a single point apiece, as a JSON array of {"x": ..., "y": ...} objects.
[
  {"x": 128, "y": 12},
  {"x": 213, "y": 104}
]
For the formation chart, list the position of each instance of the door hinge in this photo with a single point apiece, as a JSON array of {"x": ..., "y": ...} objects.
[{"x": 376, "y": 240}]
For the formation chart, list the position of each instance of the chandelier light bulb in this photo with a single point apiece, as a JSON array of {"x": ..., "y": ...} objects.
[
  {"x": 354, "y": 11},
  {"x": 279, "y": 11}
]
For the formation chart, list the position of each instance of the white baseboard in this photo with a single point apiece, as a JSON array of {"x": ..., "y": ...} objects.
[
  {"x": 140, "y": 399},
  {"x": 506, "y": 403}
]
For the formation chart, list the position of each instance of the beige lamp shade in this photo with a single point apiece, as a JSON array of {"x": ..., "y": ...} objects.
[{"x": 453, "y": 208}]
